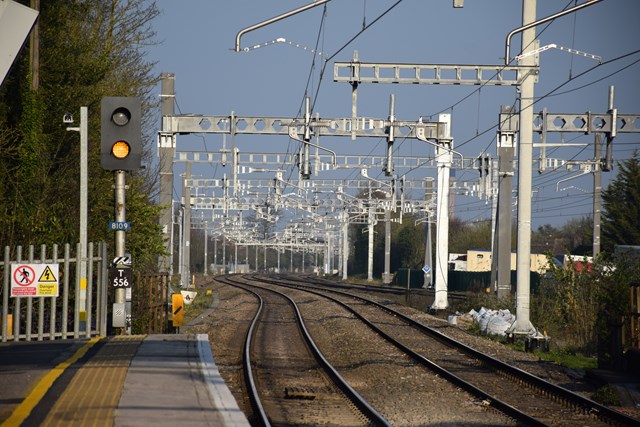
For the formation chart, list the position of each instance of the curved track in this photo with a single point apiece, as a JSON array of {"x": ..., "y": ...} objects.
[
  {"x": 498, "y": 385},
  {"x": 289, "y": 381}
]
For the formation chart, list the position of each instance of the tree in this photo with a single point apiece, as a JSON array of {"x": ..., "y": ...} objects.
[
  {"x": 621, "y": 206},
  {"x": 577, "y": 234},
  {"x": 464, "y": 236},
  {"x": 408, "y": 247},
  {"x": 358, "y": 254},
  {"x": 88, "y": 50},
  {"x": 543, "y": 240}
]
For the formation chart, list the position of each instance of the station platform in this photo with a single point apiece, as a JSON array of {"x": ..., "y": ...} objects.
[{"x": 138, "y": 380}]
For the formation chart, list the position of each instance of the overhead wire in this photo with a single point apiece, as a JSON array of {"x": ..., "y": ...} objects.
[
  {"x": 478, "y": 90},
  {"x": 478, "y": 133},
  {"x": 573, "y": 38},
  {"x": 365, "y": 28},
  {"x": 595, "y": 81},
  {"x": 204, "y": 145},
  {"x": 309, "y": 78},
  {"x": 549, "y": 93}
]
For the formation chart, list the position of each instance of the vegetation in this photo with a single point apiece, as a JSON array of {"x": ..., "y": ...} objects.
[
  {"x": 569, "y": 359},
  {"x": 574, "y": 237},
  {"x": 87, "y": 50},
  {"x": 606, "y": 395},
  {"x": 567, "y": 306},
  {"x": 464, "y": 236},
  {"x": 201, "y": 303},
  {"x": 584, "y": 309},
  {"x": 91, "y": 49},
  {"x": 621, "y": 206},
  {"x": 408, "y": 241}
]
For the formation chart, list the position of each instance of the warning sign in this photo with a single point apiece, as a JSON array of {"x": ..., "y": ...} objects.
[
  {"x": 34, "y": 280},
  {"x": 48, "y": 289},
  {"x": 47, "y": 276},
  {"x": 23, "y": 275}
]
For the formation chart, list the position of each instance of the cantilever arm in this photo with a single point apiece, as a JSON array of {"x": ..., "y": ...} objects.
[
  {"x": 276, "y": 19},
  {"x": 507, "y": 60}
]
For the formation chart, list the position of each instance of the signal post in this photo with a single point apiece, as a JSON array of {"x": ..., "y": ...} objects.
[{"x": 121, "y": 151}]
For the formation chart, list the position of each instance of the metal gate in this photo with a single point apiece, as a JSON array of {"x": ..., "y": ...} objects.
[
  {"x": 80, "y": 308},
  {"x": 150, "y": 303}
]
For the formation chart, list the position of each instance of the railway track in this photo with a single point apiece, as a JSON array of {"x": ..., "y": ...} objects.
[
  {"x": 421, "y": 294},
  {"x": 288, "y": 380},
  {"x": 497, "y": 384},
  {"x": 377, "y": 370}
]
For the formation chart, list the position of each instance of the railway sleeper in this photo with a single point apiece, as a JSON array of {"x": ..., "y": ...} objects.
[{"x": 300, "y": 393}]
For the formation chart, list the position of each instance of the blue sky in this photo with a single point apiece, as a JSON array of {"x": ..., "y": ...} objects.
[{"x": 196, "y": 40}]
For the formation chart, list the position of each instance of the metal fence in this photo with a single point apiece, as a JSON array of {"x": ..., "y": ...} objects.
[
  {"x": 150, "y": 303},
  {"x": 57, "y": 317}
]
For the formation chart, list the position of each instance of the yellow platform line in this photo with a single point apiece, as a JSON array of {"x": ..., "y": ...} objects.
[
  {"x": 94, "y": 392},
  {"x": 24, "y": 409}
]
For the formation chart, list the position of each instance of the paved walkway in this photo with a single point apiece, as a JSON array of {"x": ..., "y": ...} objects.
[{"x": 159, "y": 380}]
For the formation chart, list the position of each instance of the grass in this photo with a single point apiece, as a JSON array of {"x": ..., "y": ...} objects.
[
  {"x": 562, "y": 357},
  {"x": 568, "y": 359},
  {"x": 200, "y": 303}
]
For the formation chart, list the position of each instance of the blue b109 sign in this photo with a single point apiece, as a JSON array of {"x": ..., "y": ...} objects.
[{"x": 116, "y": 226}]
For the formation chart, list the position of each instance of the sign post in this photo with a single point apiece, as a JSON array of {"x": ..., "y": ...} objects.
[
  {"x": 177, "y": 310},
  {"x": 121, "y": 278}
]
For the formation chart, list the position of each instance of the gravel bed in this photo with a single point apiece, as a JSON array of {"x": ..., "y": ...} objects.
[
  {"x": 406, "y": 394},
  {"x": 406, "y": 397}
]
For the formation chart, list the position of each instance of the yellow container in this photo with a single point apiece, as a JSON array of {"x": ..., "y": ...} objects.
[{"x": 9, "y": 324}]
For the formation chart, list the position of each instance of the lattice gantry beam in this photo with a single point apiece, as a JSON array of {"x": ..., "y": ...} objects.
[
  {"x": 586, "y": 122},
  {"x": 361, "y": 126},
  {"x": 311, "y": 185},
  {"x": 489, "y": 75},
  {"x": 254, "y": 161}
]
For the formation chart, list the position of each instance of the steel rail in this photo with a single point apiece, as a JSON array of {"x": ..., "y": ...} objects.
[
  {"x": 597, "y": 410},
  {"x": 367, "y": 410},
  {"x": 254, "y": 396},
  {"x": 497, "y": 404},
  {"x": 394, "y": 290}
]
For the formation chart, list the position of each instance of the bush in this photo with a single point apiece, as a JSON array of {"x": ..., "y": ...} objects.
[
  {"x": 606, "y": 395},
  {"x": 578, "y": 309}
]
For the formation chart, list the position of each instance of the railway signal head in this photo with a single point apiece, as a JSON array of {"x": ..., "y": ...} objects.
[{"x": 121, "y": 133}]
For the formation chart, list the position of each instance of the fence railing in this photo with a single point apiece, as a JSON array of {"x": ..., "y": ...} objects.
[
  {"x": 150, "y": 303},
  {"x": 57, "y": 317}
]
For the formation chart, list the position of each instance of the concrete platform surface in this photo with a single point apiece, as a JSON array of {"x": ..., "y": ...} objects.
[
  {"x": 173, "y": 380},
  {"x": 157, "y": 380}
]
